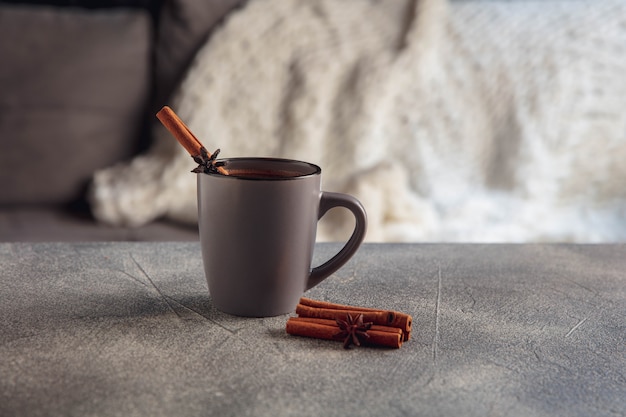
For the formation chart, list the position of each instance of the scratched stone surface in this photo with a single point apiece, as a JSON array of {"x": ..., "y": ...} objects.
[{"x": 128, "y": 329}]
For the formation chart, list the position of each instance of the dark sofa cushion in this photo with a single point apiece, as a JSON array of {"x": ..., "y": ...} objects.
[
  {"x": 184, "y": 25},
  {"x": 75, "y": 84}
]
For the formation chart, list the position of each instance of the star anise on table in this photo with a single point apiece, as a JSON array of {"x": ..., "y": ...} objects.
[
  {"x": 207, "y": 164},
  {"x": 353, "y": 330}
]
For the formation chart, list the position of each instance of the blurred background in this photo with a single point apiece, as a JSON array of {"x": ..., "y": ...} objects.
[{"x": 452, "y": 121}]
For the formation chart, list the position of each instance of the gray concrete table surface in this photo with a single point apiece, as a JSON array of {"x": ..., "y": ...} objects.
[{"x": 128, "y": 329}]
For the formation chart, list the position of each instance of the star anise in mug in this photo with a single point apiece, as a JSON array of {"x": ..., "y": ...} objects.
[
  {"x": 353, "y": 330},
  {"x": 207, "y": 163}
]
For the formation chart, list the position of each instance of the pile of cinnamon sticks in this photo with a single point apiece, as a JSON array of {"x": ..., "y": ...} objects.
[{"x": 351, "y": 324}]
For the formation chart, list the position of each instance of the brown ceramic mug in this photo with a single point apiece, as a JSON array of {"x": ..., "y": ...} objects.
[{"x": 257, "y": 231}]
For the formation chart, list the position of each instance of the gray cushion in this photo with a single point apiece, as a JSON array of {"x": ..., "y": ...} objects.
[
  {"x": 74, "y": 85},
  {"x": 45, "y": 224}
]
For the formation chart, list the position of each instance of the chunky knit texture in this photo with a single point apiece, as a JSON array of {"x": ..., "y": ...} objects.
[{"x": 468, "y": 121}]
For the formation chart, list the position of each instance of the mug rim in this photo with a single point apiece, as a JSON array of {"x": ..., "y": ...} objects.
[{"x": 313, "y": 169}]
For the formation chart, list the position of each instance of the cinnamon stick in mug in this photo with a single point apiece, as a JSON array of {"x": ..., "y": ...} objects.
[
  {"x": 180, "y": 131},
  {"x": 184, "y": 135}
]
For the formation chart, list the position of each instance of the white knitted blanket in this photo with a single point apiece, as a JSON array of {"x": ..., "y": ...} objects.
[{"x": 468, "y": 121}]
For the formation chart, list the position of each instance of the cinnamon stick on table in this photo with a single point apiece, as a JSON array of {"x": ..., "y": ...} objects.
[
  {"x": 328, "y": 322},
  {"x": 323, "y": 309},
  {"x": 186, "y": 138},
  {"x": 382, "y": 318},
  {"x": 329, "y": 330}
]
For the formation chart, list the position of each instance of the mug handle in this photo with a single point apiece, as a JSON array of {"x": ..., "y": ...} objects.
[{"x": 330, "y": 200}]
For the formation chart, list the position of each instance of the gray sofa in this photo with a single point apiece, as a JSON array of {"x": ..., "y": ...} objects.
[{"x": 80, "y": 83}]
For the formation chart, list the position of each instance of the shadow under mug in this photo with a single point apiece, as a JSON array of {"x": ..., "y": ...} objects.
[{"x": 257, "y": 231}]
